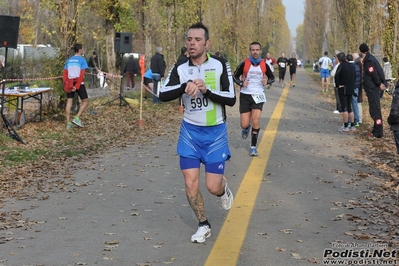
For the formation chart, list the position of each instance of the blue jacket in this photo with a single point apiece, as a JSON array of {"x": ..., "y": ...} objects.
[
  {"x": 357, "y": 76},
  {"x": 148, "y": 74}
]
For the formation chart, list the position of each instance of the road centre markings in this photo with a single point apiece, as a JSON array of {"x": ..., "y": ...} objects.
[{"x": 226, "y": 249}]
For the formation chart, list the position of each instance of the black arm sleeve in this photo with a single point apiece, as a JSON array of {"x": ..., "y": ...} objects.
[
  {"x": 270, "y": 75},
  {"x": 173, "y": 88},
  {"x": 237, "y": 74}
]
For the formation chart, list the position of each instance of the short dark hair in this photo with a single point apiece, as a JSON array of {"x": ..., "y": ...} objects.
[
  {"x": 325, "y": 53},
  {"x": 385, "y": 59},
  {"x": 349, "y": 57},
  {"x": 341, "y": 56},
  {"x": 77, "y": 47},
  {"x": 363, "y": 48},
  {"x": 183, "y": 50},
  {"x": 199, "y": 25},
  {"x": 254, "y": 43}
]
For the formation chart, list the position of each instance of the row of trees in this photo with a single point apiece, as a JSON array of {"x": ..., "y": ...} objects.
[
  {"x": 345, "y": 24},
  {"x": 328, "y": 25},
  {"x": 233, "y": 24}
]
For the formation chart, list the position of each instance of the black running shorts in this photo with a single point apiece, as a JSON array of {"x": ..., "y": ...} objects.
[{"x": 247, "y": 103}]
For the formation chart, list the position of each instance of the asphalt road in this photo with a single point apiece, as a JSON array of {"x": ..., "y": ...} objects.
[{"x": 128, "y": 207}]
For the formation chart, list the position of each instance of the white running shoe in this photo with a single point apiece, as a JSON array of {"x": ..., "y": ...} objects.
[
  {"x": 344, "y": 129},
  {"x": 202, "y": 234},
  {"x": 228, "y": 198},
  {"x": 352, "y": 128},
  {"x": 253, "y": 151}
]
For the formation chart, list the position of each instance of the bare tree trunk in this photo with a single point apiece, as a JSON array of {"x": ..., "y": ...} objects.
[
  {"x": 170, "y": 45},
  {"x": 147, "y": 40},
  {"x": 67, "y": 13},
  {"x": 111, "y": 57}
]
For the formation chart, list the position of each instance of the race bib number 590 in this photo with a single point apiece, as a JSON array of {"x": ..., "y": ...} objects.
[{"x": 200, "y": 104}]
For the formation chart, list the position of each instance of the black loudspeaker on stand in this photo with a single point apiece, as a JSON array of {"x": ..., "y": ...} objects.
[
  {"x": 122, "y": 44},
  {"x": 9, "y": 28},
  {"x": 120, "y": 96}
]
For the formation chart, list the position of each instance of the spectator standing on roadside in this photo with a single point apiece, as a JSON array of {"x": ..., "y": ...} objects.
[
  {"x": 183, "y": 57},
  {"x": 393, "y": 118},
  {"x": 387, "y": 69},
  {"x": 345, "y": 82},
  {"x": 358, "y": 78},
  {"x": 282, "y": 68},
  {"x": 158, "y": 64},
  {"x": 373, "y": 83},
  {"x": 206, "y": 86},
  {"x": 131, "y": 70},
  {"x": 218, "y": 54},
  {"x": 158, "y": 67},
  {"x": 94, "y": 66},
  {"x": 358, "y": 61},
  {"x": 325, "y": 63},
  {"x": 74, "y": 69},
  {"x": 333, "y": 71}
]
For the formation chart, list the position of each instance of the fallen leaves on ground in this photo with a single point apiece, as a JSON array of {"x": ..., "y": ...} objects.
[
  {"x": 57, "y": 151},
  {"x": 380, "y": 166}
]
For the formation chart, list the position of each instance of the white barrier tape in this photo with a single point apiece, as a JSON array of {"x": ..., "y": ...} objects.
[
  {"x": 30, "y": 79},
  {"x": 108, "y": 75},
  {"x": 105, "y": 75},
  {"x": 111, "y": 75}
]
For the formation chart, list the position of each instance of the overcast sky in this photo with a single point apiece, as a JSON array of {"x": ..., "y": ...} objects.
[{"x": 294, "y": 10}]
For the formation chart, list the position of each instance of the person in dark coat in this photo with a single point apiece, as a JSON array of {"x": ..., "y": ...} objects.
[
  {"x": 158, "y": 64},
  {"x": 131, "y": 70},
  {"x": 158, "y": 67},
  {"x": 358, "y": 61},
  {"x": 94, "y": 67},
  {"x": 183, "y": 57},
  {"x": 358, "y": 79},
  {"x": 393, "y": 118},
  {"x": 373, "y": 84},
  {"x": 345, "y": 82}
]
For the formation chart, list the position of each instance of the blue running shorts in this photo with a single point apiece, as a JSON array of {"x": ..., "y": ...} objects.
[
  {"x": 214, "y": 168},
  {"x": 324, "y": 73},
  {"x": 207, "y": 144}
]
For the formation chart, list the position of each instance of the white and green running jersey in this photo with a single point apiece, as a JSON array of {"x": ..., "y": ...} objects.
[{"x": 206, "y": 109}]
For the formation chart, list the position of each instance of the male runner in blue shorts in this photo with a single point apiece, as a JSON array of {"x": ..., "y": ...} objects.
[{"x": 205, "y": 84}]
